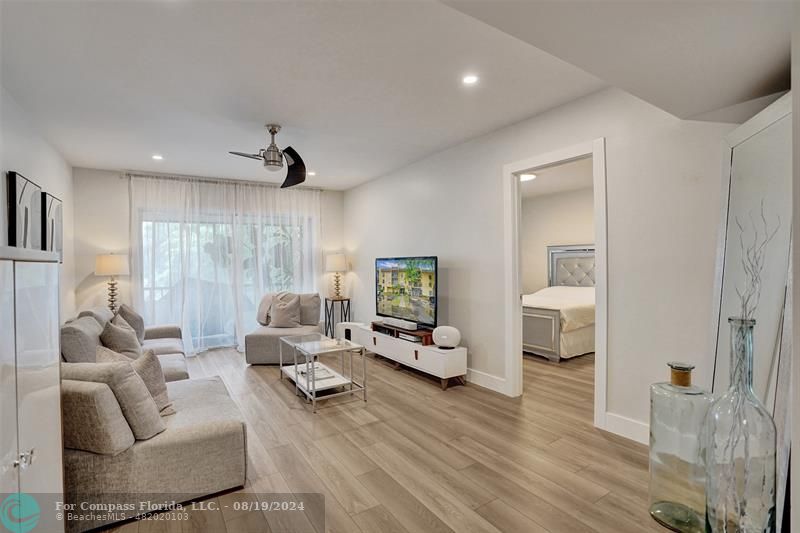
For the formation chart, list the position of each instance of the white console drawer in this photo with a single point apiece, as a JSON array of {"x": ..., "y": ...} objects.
[
  {"x": 388, "y": 347},
  {"x": 428, "y": 361}
]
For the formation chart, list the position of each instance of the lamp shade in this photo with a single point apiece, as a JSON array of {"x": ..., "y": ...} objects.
[
  {"x": 336, "y": 263},
  {"x": 111, "y": 265}
]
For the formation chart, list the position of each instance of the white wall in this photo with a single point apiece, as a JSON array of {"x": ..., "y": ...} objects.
[
  {"x": 102, "y": 226},
  {"x": 663, "y": 190},
  {"x": 332, "y": 207},
  {"x": 22, "y": 149},
  {"x": 561, "y": 218}
]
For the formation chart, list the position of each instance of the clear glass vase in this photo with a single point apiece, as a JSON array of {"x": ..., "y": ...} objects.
[
  {"x": 677, "y": 472},
  {"x": 740, "y": 447}
]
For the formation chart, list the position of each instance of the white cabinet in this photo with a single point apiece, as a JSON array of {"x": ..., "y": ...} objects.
[
  {"x": 9, "y": 454},
  {"x": 439, "y": 362},
  {"x": 30, "y": 397}
]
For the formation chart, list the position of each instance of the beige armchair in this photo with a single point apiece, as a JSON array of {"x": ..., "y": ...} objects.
[{"x": 262, "y": 346}]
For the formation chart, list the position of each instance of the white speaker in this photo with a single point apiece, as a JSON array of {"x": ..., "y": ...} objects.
[
  {"x": 344, "y": 330},
  {"x": 446, "y": 337}
]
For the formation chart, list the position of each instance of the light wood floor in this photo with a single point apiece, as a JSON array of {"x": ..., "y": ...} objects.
[{"x": 417, "y": 459}]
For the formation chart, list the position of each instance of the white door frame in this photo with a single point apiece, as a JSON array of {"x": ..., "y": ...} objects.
[{"x": 512, "y": 207}]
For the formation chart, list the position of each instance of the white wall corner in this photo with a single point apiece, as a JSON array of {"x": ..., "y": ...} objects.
[
  {"x": 488, "y": 381},
  {"x": 628, "y": 428}
]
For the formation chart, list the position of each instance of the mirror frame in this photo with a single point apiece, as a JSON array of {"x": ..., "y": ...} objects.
[{"x": 781, "y": 411}]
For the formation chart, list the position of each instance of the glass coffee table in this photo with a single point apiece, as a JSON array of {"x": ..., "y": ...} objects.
[{"x": 311, "y": 376}]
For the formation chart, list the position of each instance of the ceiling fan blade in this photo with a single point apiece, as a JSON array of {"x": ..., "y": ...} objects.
[
  {"x": 296, "y": 168},
  {"x": 251, "y": 156}
]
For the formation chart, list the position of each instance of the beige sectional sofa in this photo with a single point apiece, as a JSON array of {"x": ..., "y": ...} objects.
[
  {"x": 202, "y": 451},
  {"x": 262, "y": 346},
  {"x": 80, "y": 338}
]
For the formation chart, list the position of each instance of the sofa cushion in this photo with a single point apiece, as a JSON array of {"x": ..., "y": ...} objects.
[
  {"x": 262, "y": 316},
  {"x": 92, "y": 418},
  {"x": 101, "y": 314},
  {"x": 134, "y": 399},
  {"x": 164, "y": 331},
  {"x": 285, "y": 311},
  {"x": 262, "y": 346},
  {"x": 120, "y": 337},
  {"x": 133, "y": 319},
  {"x": 162, "y": 346},
  {"x": 174, "y": 366},
  {"x": 79, "y": 339},
  {"x": 310, "y": 305},
  {"x": 149, "y": 369}
]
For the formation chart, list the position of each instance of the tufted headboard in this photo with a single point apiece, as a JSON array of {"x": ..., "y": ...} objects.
[{"x": 571, "y": 265}]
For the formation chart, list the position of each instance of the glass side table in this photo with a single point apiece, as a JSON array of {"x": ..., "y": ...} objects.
[{"x": 311, "y": 376}]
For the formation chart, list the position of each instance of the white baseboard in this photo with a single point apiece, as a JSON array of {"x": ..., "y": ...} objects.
[
  {"x": 628, "y": 428},
  {"x": 489, "y": 381}
]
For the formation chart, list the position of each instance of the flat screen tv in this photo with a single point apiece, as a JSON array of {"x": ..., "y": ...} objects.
[{"x": 405, "y": 287}]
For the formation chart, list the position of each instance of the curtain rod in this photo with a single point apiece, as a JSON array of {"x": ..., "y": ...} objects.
[{"x": 182, "y": 177}]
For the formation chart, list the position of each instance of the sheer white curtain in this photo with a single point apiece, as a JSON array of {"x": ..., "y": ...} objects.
[{"x": 204, "y": 252}]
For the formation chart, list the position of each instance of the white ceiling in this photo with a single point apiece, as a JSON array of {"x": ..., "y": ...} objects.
[
  {"x": 563, "y": 177},
  {"x": 361, "y": 88},
  {"x": 689, "y": 58}
]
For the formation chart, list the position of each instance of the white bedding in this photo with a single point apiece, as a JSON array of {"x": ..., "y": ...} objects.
[{"x": 575, "y": 303}]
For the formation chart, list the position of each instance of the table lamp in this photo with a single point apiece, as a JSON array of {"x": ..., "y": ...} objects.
[
  {"x": 336, "y": 263},
  {"x": 111, "y": 265}
]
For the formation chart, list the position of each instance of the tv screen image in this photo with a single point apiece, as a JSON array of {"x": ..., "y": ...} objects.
[{"x": 405, "y": 287}]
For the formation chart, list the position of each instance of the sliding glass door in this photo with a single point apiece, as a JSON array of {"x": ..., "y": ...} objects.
[{"x": 208, "y": 268}]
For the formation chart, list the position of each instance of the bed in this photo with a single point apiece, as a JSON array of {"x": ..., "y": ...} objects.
[{"x": 558, "y": 321}]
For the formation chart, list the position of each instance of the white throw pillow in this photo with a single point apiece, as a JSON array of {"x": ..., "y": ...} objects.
[{"x": 285, "y": 312}]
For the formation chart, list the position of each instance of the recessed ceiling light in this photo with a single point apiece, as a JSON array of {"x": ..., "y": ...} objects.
[
  {"x": 312, "y": 173},
  {"x": 158, "y": 157},
  {"x": 527, "y": 177},
  {"x": 470, "y": 79}
]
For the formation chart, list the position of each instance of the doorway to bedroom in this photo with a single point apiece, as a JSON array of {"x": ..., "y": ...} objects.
[{"x": 555, "y": 279}]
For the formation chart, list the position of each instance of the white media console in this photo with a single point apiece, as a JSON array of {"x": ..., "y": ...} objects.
[{"x": 445, "y": 364}]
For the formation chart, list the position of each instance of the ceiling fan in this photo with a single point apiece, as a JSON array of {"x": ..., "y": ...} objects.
[{"x": 273, "y": 158}]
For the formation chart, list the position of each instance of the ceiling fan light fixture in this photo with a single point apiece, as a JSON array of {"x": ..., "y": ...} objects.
[{"x": 272, "y": 158}]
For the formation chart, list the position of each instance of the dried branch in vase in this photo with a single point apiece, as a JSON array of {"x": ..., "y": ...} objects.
[{"x": 753, "y": 256}]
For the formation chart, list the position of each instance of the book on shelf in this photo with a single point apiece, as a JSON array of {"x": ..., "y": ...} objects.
[{"x": 320, "y": 372}]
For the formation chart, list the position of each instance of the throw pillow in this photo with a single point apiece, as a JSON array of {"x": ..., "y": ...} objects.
[
  {"x": 285, "y": 312},
  {"x": 262, "y": 316},
  {"x": 134, "y": 319},
  {"x": 120, "y": 337},
  {"x": 92, "y": 419},
  {"x": 310, "y": 305},
  {"x": 79, "y": 339},
  {"x": 101, "y": 314},
  {"x": 134, "y": 399},
  {"x": 149, "y": 369}
]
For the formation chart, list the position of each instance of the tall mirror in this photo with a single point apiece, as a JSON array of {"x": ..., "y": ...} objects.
[
  {"x": 758, "y": 188},
  {"x": 759, "y": 183}
]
